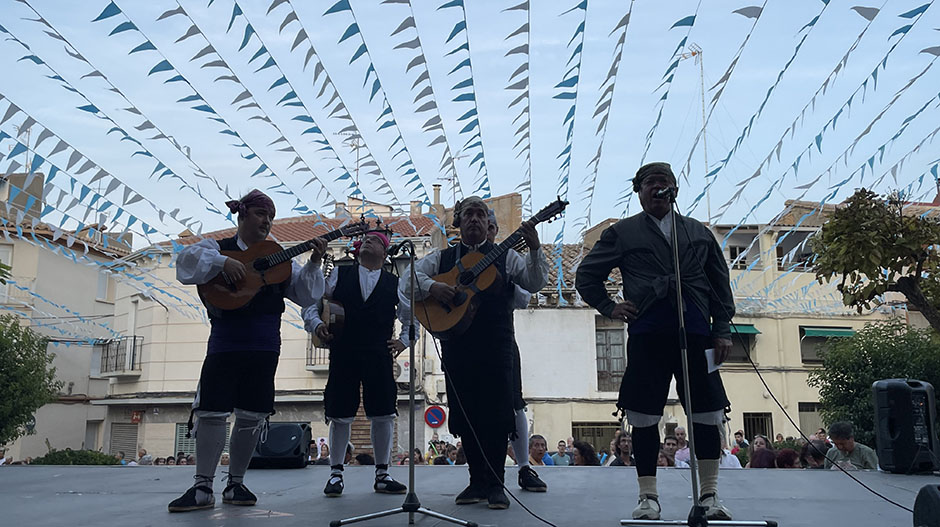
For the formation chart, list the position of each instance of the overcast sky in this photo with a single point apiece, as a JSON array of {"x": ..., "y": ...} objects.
[{"x": 635, "y": 104}]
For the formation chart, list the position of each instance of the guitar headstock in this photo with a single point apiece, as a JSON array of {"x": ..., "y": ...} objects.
[
  {"x": 354, "y": 229},
  {"x": 550, "y": 211}
]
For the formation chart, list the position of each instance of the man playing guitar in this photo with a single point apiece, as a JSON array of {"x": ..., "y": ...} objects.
[
  {"x": 243, "y": 348},
  {"x": 363, "y": 355},
  {"x": 478, "y": 365}
]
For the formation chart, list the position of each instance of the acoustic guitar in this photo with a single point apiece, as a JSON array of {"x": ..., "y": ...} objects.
[
  {"x": 266, "y": 263},
  {"x": 472, "y": 274}
]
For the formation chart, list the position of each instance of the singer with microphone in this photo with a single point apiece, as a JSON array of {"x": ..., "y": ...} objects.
[
  {"x": 641, "y": 247},
  {"x": 363, "y": 354}
]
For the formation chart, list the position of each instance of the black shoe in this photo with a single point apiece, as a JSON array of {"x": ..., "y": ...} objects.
[
  {"x": 384, "y": 484},
  {"x": 470, "y": 495},
  {"x": 496, "y": 499},
  {"x": 187, "y": 502},
  {"x": 238, "y": 494},
  {"x": 334, "y": 486},
  {"x": 530, "y": 481}
]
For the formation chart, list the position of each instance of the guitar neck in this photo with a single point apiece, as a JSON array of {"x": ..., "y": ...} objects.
[
  {"x": 300, "y": 248},
  {"x": 497, "y": 251}
]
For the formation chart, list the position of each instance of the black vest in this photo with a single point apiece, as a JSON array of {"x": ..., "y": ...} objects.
[
  {"x": 369, "y": 323},
  {"x": 268, "y": 301},
  {"x": 493, "y": 319}
]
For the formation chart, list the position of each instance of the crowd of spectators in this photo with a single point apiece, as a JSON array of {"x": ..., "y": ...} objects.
[{"x": 831, "y": 450}]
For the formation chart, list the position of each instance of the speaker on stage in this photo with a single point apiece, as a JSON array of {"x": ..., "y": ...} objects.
[
  {"x": 927, "y": 507},
  {"x": 287, "y": 445},
  {"x": 905, "y": 416}
]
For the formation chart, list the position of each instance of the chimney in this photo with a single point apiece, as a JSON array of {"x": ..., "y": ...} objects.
[
  {"x": 416, "y": 208},
  {"x": 437, "y": 193},
  {"x": 339, "y": 210}
]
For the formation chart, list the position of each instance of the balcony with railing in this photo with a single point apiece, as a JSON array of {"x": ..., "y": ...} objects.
[
  {"x": 121, "y": 357},
  {"x": 318, "y": 359}
]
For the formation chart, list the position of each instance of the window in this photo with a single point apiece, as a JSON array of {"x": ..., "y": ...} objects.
[
  {"x": 813, "y": 338},
  {"x": 105, "y": 290},
  {"x": 6, "y": 257},
  {"x": 736, "y": 251},
  {"x": 611, "y": 356},
  {"x": 743, "y": 340},
  {"x": 187, "y": 445},
  {"x": 800, "y": 262},
  {"x": 810, "y": 420},
  {"x": 124, "y": 439},
  {"x": 758, "y": 423},
  {"x": 598, "y": 435}
]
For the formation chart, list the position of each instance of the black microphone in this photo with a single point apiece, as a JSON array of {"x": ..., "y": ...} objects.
[
  {"x": 395, "y": 249},
  {"x": 668, "y": 192}
]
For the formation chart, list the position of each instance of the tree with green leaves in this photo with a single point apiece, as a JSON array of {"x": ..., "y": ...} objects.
[
  {"x": 850, "y": 365},
  {"x": 27, "y": 377},
  {"x": 872, "y": 246}
]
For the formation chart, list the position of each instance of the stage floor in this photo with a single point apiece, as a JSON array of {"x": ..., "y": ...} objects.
[{"x": 577, "y": 496}]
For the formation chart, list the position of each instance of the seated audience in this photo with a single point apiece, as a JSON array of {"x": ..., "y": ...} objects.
[
  {"x": 813, "y": 454},
  {"x": 847, "y": 453},
  {"x": 584, "y": 454},
  {"x": 763, "y": 458},
  {"x": 787, "y": 458}
]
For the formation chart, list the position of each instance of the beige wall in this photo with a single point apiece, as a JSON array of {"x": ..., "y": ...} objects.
[{"x": 61, "y": 281}]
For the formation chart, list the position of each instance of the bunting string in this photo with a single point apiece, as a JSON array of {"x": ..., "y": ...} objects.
[{"x": 473, "y": 127}]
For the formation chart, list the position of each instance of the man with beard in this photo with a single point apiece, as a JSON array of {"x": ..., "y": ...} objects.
[
  {"x": 482, "y": 412},
  {"x": 244, "y": 345}
]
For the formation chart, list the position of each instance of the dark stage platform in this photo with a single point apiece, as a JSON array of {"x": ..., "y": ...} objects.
[{"x": 577, "y": 496}]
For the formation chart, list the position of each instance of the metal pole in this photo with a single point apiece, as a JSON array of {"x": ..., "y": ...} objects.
[{"x": 684, "y": 351}]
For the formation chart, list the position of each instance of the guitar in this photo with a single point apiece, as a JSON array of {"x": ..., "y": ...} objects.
[
  {"x": 472, "y": 274},
  {"x": 266, "y": 263}
]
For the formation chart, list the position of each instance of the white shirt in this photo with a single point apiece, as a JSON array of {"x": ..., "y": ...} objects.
[
  {"x": 202, "y": 261},
  {"x": 530, "y": 273},
  {"x": 368, "y": 278},
  {"x": 729, "y": 460},
  {"x": 665, "y": 225}
]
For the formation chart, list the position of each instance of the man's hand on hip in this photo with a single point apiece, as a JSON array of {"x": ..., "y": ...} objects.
[{"x": 624, "y": 311}]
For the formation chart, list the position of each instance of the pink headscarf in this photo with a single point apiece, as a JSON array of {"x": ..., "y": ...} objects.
[
  {"x": 255, "y": 198},
  {"x": 379, "y": 234}
]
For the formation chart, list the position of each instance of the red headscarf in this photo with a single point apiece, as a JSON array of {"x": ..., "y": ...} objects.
[{"x": 255, "y": 198}]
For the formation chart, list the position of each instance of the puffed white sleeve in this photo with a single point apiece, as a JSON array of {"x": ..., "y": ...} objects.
[{"x": 200, "y": 262}]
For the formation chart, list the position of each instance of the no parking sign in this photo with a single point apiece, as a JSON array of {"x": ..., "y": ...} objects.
[{"x": 435, "y": 416}]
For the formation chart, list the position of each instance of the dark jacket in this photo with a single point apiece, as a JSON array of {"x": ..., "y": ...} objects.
[{"x": 641, "y": 251}]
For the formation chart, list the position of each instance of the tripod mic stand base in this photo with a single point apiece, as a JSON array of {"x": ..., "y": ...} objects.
[
  {"x": 699, "y": 522},
  {"x": 411, "y": 506}
]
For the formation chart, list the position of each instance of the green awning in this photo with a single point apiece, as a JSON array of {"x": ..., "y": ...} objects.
[
  {"x": 828, "y": 332},
  {"x": 744, "y": 329}
]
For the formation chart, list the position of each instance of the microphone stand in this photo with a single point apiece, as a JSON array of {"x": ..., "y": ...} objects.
[
  {"x": 411, "y": 504},
  {"x": 697, "y": 514}
]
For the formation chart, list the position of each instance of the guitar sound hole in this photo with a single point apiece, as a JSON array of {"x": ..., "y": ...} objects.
[
  {"x": 466, "y": 278},
  {"x": 261, "y": 264}
]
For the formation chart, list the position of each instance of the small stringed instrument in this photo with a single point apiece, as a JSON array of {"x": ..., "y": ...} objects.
[
  {"x": 472, "y": 273},
  {"x": 266, "y": 263}
]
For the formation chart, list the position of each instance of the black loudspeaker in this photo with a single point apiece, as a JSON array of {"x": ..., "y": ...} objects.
[
  {"x": 905, "y": 416},
  {"x": 287, "y": 445},
  {"x": 927, "y": 507}
]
